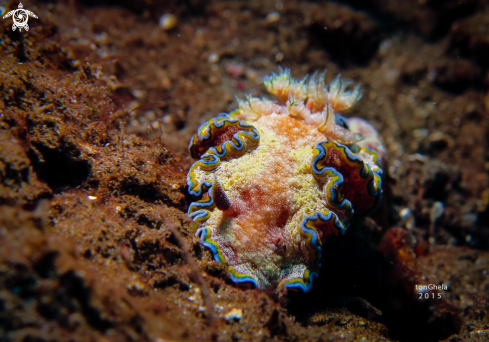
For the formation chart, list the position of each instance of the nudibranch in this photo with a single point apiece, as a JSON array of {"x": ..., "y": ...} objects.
[{"x": 274, "y": 179}]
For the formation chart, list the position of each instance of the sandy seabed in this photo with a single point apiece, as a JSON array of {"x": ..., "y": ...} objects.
[{"x": 98, "y": 103}]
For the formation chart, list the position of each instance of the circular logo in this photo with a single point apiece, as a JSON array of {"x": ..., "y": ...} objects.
[{"x": 20, "y": 17}]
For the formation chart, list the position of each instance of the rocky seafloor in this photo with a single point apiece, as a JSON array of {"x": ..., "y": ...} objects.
[{"x": 99, "y": 101}]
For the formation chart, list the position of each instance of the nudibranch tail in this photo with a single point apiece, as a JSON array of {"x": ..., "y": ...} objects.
[
  {"x": 314, "y": 228},
  {"x": 270, "y": 193}
]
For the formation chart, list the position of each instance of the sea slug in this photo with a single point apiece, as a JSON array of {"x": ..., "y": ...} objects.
[{"x": 274, "y": 179}]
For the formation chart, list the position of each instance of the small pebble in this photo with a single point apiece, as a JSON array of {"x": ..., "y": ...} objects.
[
  {"x": 234, "y": 314},
  {"x": 92, "y": 198},
  {"x": 251, "y": 74},
  {"x": 168, "y": 21},
  {"x": 139, "y": 94},
  {"x": 279, "y": 57},
  {"x": 213, "y": 58},
  {"x": 160, "y": 339},
  {"x": 273, "y": 17},
  {"x": 405, "y": 212},
  {"x": 420, "y": 133},
  {"x": 167, "y": 119},
  {"x": 235, "y": 70},
  {"x": 436, "y": 211}
]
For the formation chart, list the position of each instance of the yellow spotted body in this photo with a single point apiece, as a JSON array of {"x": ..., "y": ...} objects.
[{"x": 271, "y": 188}]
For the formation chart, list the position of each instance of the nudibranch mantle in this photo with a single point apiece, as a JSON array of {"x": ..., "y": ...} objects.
[{"x": 274, "y": 179}]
